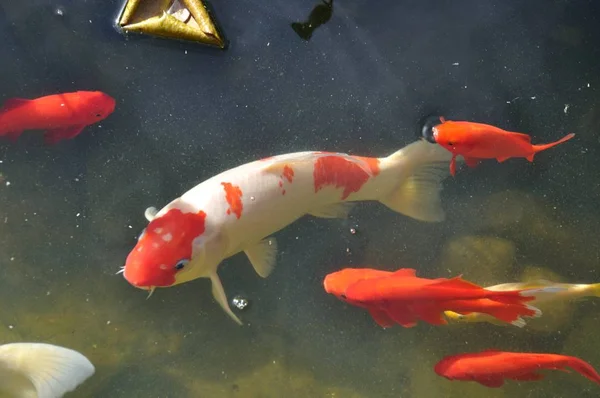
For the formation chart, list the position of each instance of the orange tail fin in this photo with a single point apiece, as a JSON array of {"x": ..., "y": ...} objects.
[
  {"x": 541, "y": 147},
  {"x": 584, "y": 368},
  {"x": 512, "y": 313}
]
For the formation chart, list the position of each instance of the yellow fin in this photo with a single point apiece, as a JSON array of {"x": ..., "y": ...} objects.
[
  {"x": 263, "y": 256},
  {"x": 219, "y": 294}
]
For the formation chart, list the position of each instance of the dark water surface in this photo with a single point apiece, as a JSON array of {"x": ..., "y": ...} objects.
[{"x": 185, "y": 113}]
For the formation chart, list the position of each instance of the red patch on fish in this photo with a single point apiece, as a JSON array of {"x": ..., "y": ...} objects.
[
  {"x": 288, "y": 173},
  {"x": 340, "y": 173},
  {"x": 166, "y": 240},
  {"x": 372, "y": 162},
  {"x": 233, "y": 196},
  {"x": 63, "y": 116}
]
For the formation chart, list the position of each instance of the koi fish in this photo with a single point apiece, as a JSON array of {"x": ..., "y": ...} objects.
[
  {"x": 567, "y": 292},
  {"x": 491, "y": 367},
  {"x": 41, "y": 370},
  {"x": 240, "y": 209},
  {"x": 63, "y": 116},
  {"x": 476, "y": 141},
  {"x": 405, "y": 298}
]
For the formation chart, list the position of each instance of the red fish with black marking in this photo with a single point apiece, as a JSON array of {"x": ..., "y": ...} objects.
[
  {"x": 402, "y": 297},
  {"x": 492, "y": 367},
  {"x": 240, "y": 209},
  {"x": 62, "y": 116},
  {"x": 476, "y": 141}
]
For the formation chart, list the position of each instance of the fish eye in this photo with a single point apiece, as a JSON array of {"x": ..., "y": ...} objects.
[
  {"x": 451, "y": 143},
  {"x": 426, "y": 126},
  {"x": 181, "y": 264},
  {"x": 343, "y": 296},
  {"x": 98, "y": 115}
]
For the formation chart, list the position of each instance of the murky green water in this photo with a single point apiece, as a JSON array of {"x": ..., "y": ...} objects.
[{"x": 70, "y": 214}]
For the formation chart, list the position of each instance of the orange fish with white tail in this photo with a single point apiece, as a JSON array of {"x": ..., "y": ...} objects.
[
  {"x": 476, "y": 141},
  {"x": 240, "y": 209},
  {"x": 491, "y": 367},
  {"x": 402, "y": 297}
]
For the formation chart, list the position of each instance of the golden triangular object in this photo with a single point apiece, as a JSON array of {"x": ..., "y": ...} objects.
[{"x": 172, "y": 19}]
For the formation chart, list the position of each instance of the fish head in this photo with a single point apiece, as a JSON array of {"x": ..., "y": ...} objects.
[
  {"x": 164, "y": 254},
  {"x": 453, "y": 136},
  {"x": 338, "y": 282},
  {"x": 448, "y": 367},
  {"x": 95, "y": 106}
]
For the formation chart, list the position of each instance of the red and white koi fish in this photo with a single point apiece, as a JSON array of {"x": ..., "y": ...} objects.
[
  {"x": 239, "y": 210},
  {"x": 41, "y": 370},
  {"x": 63, "y": 116}
]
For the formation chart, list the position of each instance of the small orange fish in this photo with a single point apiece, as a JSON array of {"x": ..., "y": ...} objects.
[
  {"x": 491, "y": 367},
  {"x": 476, "y": 141},
  {"x": 63, "y": 116}
]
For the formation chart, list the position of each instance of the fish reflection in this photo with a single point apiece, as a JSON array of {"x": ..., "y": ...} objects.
[{"x": 320, "y": 15}]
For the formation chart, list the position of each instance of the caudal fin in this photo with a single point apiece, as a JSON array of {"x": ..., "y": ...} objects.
[
  {"x": 52, "y": 370},
  {"x": 542, "y": 147},
  {"x": 422, "y": 166},
  {"x": 584, "y": 368}
]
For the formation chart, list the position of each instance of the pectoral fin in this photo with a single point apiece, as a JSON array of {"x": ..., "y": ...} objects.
[
  {"x": 263, "y": 256},
  {"x": 53, "y": 136},
  {"x": 219, "y": 294},
  {"x": 492, "y": 383},
  {"x": 336, "y": 210},
  {"x": 503, "y": 159}
]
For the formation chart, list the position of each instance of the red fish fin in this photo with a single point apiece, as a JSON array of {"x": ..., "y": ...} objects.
[
  {"x": 584, "y": 368},
  {"x": 13, "y": 103},
  {"x": 524, "y": 137},
  {"x": 471, "y": 162},
  {"x": 530, "y": 157},
  {"x": 512, "y": 313},
  {"x": 456, "y": 282},
  {"x": 502, "y": 159},
  {"x": 442, "y": 120},
  {"x": 453, "y": 166},
  {"x": 53, "y": 136},
  {"x": 492, "y": 383},
  {"x": 381, "y": 317},
  {"x": 528, "y": 377},
  {"x": 429, "y": 314},
  {"x": 405, "y": 272},
  {"x": 402, "y": 315},
  {"x": 13, "y": 136}
]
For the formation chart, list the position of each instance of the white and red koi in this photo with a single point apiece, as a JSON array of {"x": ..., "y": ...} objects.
[{"x": 239, "y": 209}]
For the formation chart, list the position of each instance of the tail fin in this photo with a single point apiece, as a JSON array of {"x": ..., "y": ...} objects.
[
  {"x": 512, "y": 313},
  {"x": 52, "y": 370},
  {"x": 584, "y": 368},
  {"x": 521, "y": 296},
  {"x": 418, "y": 196},
  {"x": 542, "y": 147},
  {"x": 593, "y": 290}
]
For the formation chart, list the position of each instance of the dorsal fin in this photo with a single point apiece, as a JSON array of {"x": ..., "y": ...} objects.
[
  {"x": 524, "y": 137},
  {"x": 12, "y": 103},
  {"x": 456, "y": 282},
  {"x": 406, "y": 272}
]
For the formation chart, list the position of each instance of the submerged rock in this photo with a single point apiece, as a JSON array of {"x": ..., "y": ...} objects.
[{"x": 484, "y": 260}]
